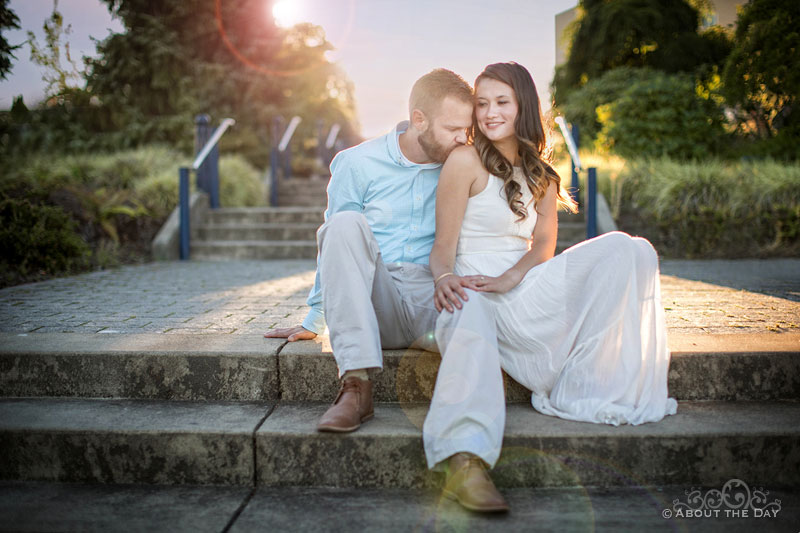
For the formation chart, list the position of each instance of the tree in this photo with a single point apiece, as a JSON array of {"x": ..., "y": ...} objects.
[
  {"x": 659, "y": 34},
  {"x": 581, "y": 108},
  {"x": 57, "y": 77},
  {"x": 176, "y": 59},
  {"x": 8, "y": 20},
  {"x": 762, "y": 73},
  {"x": 661, "y": 115}
]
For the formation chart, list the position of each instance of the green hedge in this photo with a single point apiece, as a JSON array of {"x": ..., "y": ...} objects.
[
  {"x": 661, "y": 115},
  {"x": 713, "y": 208},
  {"x": 112, "y": 203},
  {"x": 37, "y": 241}
]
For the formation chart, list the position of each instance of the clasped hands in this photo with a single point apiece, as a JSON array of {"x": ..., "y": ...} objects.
[
  {"x": 448, "y": 293},
  {"x": 449, "y": 290}
]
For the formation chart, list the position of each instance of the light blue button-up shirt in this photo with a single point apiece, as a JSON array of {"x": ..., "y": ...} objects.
[{"x": 397, "y": 197}]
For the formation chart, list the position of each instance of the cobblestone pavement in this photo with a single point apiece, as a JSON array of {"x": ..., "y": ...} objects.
[{"x": 203, "y": 297}]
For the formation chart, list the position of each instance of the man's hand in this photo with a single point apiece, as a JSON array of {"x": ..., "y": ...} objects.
[
  {"x": 449, "y": 292},
  {"x": 298, "y": 333}
]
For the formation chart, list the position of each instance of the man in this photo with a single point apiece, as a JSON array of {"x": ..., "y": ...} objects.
[{"x": 373, "y": 285}]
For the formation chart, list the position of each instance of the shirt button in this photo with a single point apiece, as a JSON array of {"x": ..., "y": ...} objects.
[
  {"x": 414, "y": 227},
  {"x": 419, "y": 198}
]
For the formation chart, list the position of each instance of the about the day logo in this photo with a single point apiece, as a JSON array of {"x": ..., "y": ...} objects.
[{"x": 735, "y": 500}]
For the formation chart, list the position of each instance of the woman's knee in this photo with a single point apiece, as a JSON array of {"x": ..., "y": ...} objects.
[
  {"x": 475, "y": 307},
  {"x": 645, "y": 252}
]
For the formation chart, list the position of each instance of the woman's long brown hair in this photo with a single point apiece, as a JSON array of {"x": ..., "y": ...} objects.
[{"x": 531, "y": 139}]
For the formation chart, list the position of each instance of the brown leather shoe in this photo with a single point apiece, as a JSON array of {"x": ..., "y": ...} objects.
[
  {"x": 352, "y": 406},
  {"x": 470, "y": 485}
]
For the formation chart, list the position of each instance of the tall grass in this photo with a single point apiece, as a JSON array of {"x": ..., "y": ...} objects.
[
  {"x": 608, "y": 168},
  {"x": 113, "y": 202},
  {"x": 715, "y": 208},
  {"x": 708, "y": 208}
]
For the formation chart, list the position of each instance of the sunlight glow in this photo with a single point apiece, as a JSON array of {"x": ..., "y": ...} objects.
[{"x": 287, "y": 13}]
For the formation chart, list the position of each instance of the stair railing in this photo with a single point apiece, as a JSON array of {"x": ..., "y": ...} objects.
[
  {"x": 209, "y": 174},
  {"x": 570, "y": 133},
  {"x": 280, "y": 158}
]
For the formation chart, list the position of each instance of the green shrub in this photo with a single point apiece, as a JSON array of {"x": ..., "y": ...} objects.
[
  {"x": 663, "y": 115},
  {"x": 239, "y": 183},
  {"x": 713, "y": 208},
  {"x": 37, "y": 239},
  {"x": 116, "y": 202},
  {"x": 581, "y": 106}
]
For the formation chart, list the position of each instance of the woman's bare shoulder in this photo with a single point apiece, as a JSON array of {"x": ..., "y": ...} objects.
[{"x": 464, "y": 155}]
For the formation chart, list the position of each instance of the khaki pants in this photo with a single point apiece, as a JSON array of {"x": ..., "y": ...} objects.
[{"x": 368, "y": 304}]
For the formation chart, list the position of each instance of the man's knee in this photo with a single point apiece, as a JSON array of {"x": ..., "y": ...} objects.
[
  {"x": 345, "y": 221},
  {"x": 345, "y": 225}
]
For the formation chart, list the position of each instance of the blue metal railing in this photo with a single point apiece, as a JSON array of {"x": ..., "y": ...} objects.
[
  {"x": 280, "y": 156},
  {"x": 206, "y": 167},
  {"x": 571, "y": 139}
]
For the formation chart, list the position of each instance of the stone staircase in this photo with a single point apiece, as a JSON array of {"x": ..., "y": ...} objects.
[
  {"x": 289, "y": 232},
  {"x": 240, "y": 411}
]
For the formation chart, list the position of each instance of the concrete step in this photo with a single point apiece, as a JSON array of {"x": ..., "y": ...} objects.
[
  {"x": 42, "y": 506},
  {"x": 235, "y": 244},
  {"x": 706, "y": 442},
  {"x": 304, "y": 214},
  {"x": 246, "y": 249},
  {"x": 571, "y": 232},
  {"x": 144, "y": 366},
  {"x": 302, "y": 200},
  {"x": 264, "y": 215},
  {"x": 702, "y": 367},
  {"x": 126, "y": 441},
  {"x": 104, "y": 508},
  {"x": 303, "y": 192},
  {"x": 256, "y": 232},
  {"x": 562, "y": 245},
  {"x": 573, "y": 218},
  {"x": 317, "y": 183},
  {"x": 251, "y": 368}
]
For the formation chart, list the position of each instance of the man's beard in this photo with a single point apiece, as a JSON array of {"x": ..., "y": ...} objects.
[{"x": 435, "y": 151}]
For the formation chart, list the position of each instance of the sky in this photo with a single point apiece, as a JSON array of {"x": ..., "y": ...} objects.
[{"x": 382, "y": 45}]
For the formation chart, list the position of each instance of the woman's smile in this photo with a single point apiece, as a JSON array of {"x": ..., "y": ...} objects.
[{"x": 495, "y": 108}]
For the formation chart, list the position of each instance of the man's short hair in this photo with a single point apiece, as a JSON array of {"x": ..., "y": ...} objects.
[{"x": 431, "y": 89}]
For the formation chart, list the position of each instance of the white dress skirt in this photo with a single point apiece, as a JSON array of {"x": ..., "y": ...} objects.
[{"x": 584, "y": 331}]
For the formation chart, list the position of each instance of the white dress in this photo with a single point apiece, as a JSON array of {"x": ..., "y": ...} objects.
[{"x": 585, "y": 331}]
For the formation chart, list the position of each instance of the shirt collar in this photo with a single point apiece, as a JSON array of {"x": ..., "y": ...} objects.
[{"x": 397, "y": 155}]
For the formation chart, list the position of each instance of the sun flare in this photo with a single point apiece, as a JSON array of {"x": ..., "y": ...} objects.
[{"x": 286, "y": 13}]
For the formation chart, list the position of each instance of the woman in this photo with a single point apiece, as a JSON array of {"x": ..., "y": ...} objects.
[{"x": 584, "y": 331}]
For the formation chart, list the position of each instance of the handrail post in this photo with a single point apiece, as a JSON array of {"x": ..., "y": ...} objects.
[
  {"x": 183, "y": 201},
  {"x": 591, "y": 203},
  {"x": 202, "y": 134},
  {"x": 575, "y": 185},
  {"x": 287, "y": 162},
  {"x": 321, "y": 144},
  {"x": 213, "y": 177},
  {"x": 274, "y": 162}
]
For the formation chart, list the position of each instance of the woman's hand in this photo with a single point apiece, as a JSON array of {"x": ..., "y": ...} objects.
[
  {"x": 500, "y": 284},
  {"x": 449, "y": 292}
]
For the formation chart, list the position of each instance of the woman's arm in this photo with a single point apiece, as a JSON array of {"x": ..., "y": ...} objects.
[
  {"x": 543, "y": 248},
  {"x": 455, "y": 182}
]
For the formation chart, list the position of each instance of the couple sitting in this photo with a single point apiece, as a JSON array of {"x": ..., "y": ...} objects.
[{"x": 584, "y": 330}]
